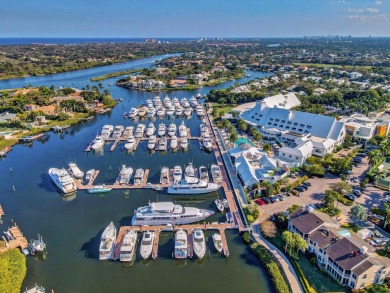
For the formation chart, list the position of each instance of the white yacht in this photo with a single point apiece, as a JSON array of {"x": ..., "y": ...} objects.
[
  {"x": 203, "y": 174},
  {"x": 162, "y": 129},
  {"x": 118, "y": 131},
  {"x": 150, "y": 130},
  {"x": 167, "y": 102},
  {"x": 97, "y": 143},
  {"x": 152, "y": 142},
  {"x": 130, "y": 143},
  {"x": 149, "y": 103},
  {"x": 199, "y": 110},
  {"x": 181, "y": 244},
  {"x": 179, "y": 110},
  {"x": 161, "y": 112},
  {"x": 107, "y": 131},
  {"x": 75, "y": 171},
  {"x": 151, "y": 112},
  {"x": 199, "y": 243},
  {"x": 184, "y": 143},
  {"x": 125, "y": 175},
  {"x": 107, "y": 242},
  {"x": 175, "y": 102},
  {"x": 193, "y": 102},
  {"x": 89, "y": 174},
  {"x": 171, "y": 111},
  {"x": 173, "y": 143},
  {"x": 207, "y": 144},
  {"x": 189, "y": 173},
  {"x": 139, "y": 131},
  {"x": 172, "y": 129},
  {"x": 128, "y": 247},
  {"x": 183, "y": 130},
  {"x": 133, "y": 113},
  {"x": 164, "y": 213},
  {"x": 162, "y": 144},
  {"x": 184, "y": 103},
  {"x": 164, "y": 177},
  {"x": 156, "y": 99},
  {"x": 62, "y": 179},
  {"x": 177, "y": 173},
  {"x": 216, "y": 173},
  {"x": 128, "y": 132},
  {"x": 217, "y": 240},
  {"x": 193, "y": 187},
  {"x": 219, "y": 204},
  {"x": 146, "y": 244},
  {"x": 188, "y": 112},
  {"x": 138, "y": 176}
]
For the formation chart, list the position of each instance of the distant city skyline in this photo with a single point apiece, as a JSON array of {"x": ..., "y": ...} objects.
[{"x": 193, "y": 19}]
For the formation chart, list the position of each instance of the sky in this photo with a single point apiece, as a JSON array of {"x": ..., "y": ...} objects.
[{"x": 188, "y": 18}]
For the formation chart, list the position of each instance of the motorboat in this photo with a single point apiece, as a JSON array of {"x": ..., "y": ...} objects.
[
  {"x": 37, "y": 245},
  {"x": 164, "y": 177},
  {"x": 142, "y": 111},
  {"x": 107, "y": 131},
  {"x": 199, "y": 96},
  {"x": 203, "y": 129},
  {"x": 150, "y": 130},
  {"x": 62, "y": 180},
  {"x": 139, "y": 176},
  {"x": 193, "y": 102},
  {"x": 219, "y": 205},
  {"x": 118, "y": 130},
  {"x": 199, "y": 110},
  {"x": 152, "y": 142},
  {"x": 97, "y": 143},
  {"x": 75, "y": 171},
  {"x": 199, "y": 243},
  {"x": 133, "y": 113},
  {"x": 130, "y": 143},
  {"x": 139, "y": 131},
  {"x": 171, "y": 111},
  {"x": 184, "y": 103},
  {"x": 162, "y": 144},
  {"x": 99, "y": 189},
  {"x": 189, "y": 173},
  {"x": 172, "y": 129},
  {"x": 181, "y": 244},
  {"x": 89, "y": 175},
  {"x": 156, "y": 99},
  {"x": 36, "y": 289},
  {"x": 179, "y": 111},
  {"x": 107, "y": 242},
  {"x": 151, "y": 112},
  {"x": 207, "y": 144},
  {"x": 175, "y": 102},
  {"x": 149, "y": 103},
  {"x": 168, "y": 213},
  {"x": 188, "y": 112},
  {"x": 128, "y": 246},
  {"x": 128, "y": 132},
  {"x": 216, "y": 173},
  {"x": 177, "y": 173},
  {"x": 225, "y": 203},
  {"x": 167, "y": 102},
  {"x": 183, "y": 130},
  {"x": 173, "y": 143},
  {"x": 161, "y": 112},
  {"x": 125, "y": 175},
  {"x": 193, "y": 187},
  {"x": 161, "y": 129},
  {"x": 184, "y": 143},
  {"x": 147, "y": 244},
  {"x": 217, "y": 241},
  {"x": 203, "y": 174}
]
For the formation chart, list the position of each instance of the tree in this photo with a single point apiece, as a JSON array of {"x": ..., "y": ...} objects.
[
  {"x": 341, "y": 187},
  {"x": 386, "y": 206},
  {"x": 387, "y": 246},
  {"x": 257, "y": 136},
  {"x": 382, "y": 288},
  {"x": 358, "y": 213},
  {"x": 288, "y": 238},
  {"x": 267, "y": 148},
  {"x": 300, "y": 243},
  {"x": 374, "y": 157},
  {"x": 330, "y": 198},
  {"x": 268, "y": 229},
  {"x": 293, "y": 208},
  {"x": 233, "y": 137}
]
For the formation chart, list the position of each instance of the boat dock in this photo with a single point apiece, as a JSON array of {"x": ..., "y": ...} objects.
[
  {"x": 18, "y": 240},
  {"x": 31, "y": 138}
]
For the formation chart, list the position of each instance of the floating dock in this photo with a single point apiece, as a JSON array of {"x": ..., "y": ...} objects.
[{"x": 18, "y": 241}]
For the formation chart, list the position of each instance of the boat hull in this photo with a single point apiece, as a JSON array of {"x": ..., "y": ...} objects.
[{"x": 137, "y": 222}]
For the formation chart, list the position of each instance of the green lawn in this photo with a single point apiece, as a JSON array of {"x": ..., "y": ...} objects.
[{"x": 225, "y": 109}]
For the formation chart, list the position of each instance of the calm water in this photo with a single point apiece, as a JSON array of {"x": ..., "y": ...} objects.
[{"x": 72, "y": 227}]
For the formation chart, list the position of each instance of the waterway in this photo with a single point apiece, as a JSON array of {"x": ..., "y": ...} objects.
[{"x": 71, "y": 227}]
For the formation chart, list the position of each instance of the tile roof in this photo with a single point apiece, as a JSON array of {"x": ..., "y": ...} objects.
[{"x": 346, "y": 254}]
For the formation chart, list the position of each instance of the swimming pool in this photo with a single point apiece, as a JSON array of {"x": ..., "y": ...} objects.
[{"x": 242, "y": 140}]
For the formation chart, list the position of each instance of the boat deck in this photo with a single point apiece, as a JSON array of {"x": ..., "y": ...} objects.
[{"x": 18, "y": 241}]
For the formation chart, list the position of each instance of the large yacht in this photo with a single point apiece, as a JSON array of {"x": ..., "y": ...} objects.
[
  {"x": 193, "y": 102},
  {"x": 162, "y": 129},
  {"x": 183, "y": 130},
  {"x": 152, "y": 142},
  {"x": 133, "y": 113},
  {"x": 167, "y": 102},
  {"x": 171, "y": 111},
  {"x": 125, "y": 175},
  {"x": 177, "y": 173},
  {"x": 118, "y": 131},
  {"x": 150, "y": 130},
  {"x": 62, "y": 179},
  {"x": 149, "y": 103},
  {"x": 164, "y": 177},
  {"x": 162, "y": 144},
  {"x": 216, "y": 173},
  {"x": 161, "y": 112},
  {"x": 184, "y": 103},
  {"x": 199, "y": 243},
  {"x": 107, "y": 131},
  {"x": 139, "y": 131},
  {"x": 146, "y": 244},
  {"x": 163, "y": 213},
  {"x": 199, "y": 110},
  {"x": 75, "y": 171},
  {"x": 128, "y": 132},
  {"x": 151, "y": 112},
  {"x": 107, "y": 242},
  {"x": 97, "y": 143},
  {"x": 142, "y": 111},
  {"x": 127, "y": 251},
  {"x": 172, "y": 129},
  {"x": 179, "y": 110},
  {"x": 193, "y": 187},
  {"x": 173, "y": 143},
  {"x": 130, "y": 143},
  {"x": 181, "y": 244},
  {"x": 138, "y": 176}
]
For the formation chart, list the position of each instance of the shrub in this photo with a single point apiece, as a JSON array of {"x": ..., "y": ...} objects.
[
  {"x": 13, "y": 271},
  {"x": 250, "y": 219},
  {"x": 246, "y": 237},
  {"x": 268, "y": 229}
]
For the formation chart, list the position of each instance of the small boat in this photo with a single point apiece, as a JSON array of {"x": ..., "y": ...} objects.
[
  {"x": 37, "y": 244},
  {"x": 36, "y": 289},
  {"x": 203, "y": 173},
  {"x": 130, "y": 143},
  {"x": 181, "y": 244},
  {"x": 199, "y": 96},
  {"x": 184, "y": 143},
  {"x": 172, "y": 130},
  {"x": 188, "y": 112},
  {"x": 133, "y": 113},
  {"x": 142, "y": 111},
  {"x": 225, "y": 203},
  {"x": 118, "y": 131},
  {"x": 216, "y": 173},
  {"x": 146, "y": 244},
  {"x": 89, "y": 174},
  {"x": 107, "y": 242},
  {"x": 207, "y": 144},
  {"x": 183, "y": 130},
  {"x": 139, "y": 131},
  {"x": 173, "y": 143},
  {"x": 75, "y": 171},
  {"x": 99, "y": 189},
  {"x": 162, "y": 144},
  {"x": 177, "y": 173},
  {"x": 152, "y": 142},
  {"x": 162, "y": 129},
  {"x": 150, "y": 130},
  {"x": 97, "y": 143},
  {"x": 219, "y": 205},
  {"x": 164, "y": 177},
  {"x": 128, "y": 247},
  {"x": 217, "y": 240},
  {"x": 138, "y": 176},
  {"x": 125, "y": 175},
  {"x": 192, "y": 187},
  {"x": 199, "y": 243}
]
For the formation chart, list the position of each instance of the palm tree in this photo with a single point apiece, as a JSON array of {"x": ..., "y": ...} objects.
[
  {"x": 385, "y": 147},
  {"x": 374, "y": 157}
]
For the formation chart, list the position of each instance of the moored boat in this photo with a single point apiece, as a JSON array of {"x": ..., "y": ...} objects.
[
  {"x": 125, "y": 175},
  {"x": 193, "y": 187},
  {"x": 164, "y": 177},
  {"x": 107, "y": 242},
  {"x": 138, "y": 176},
  {"x": 216, "y": 173},
  {"x": 147, "y": 244},
  {"x": 99, "y": 189},
  {"x": 203, "y": 173},
  {"x": 97, "y": 143},
  {"x": 217, "y": 241},
  {"x": 173, "y": 143},
  {"x": 62, "y": 180},
  {"x": 150, "y": 130},
  {"x": 162, "y": 129},
  {"x": 219, "y": 205},
  {"x": 152, "y": 142},
  {"x": 75, "y": 171},
  {"x": 118, "y": 130},
  {"x": 181, "y": 244},
  {"x": 128, "y": 246},
  {"x": 199, "y": 243},
  {"x": 130, "y": 143},
  {"x": 177, "y": 173}
]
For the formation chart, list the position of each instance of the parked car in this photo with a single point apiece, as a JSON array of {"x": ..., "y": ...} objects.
[
  {"x": 273, "y": 198},
  {"x": 350, "y": 196},
  {"x": 300, "y": 189},
  {"x": 356, "y": 193},
  {"x": 304, "y": 187},
  {"x": 281, "y": 197},
  {"x": 307, "y": 183},
  {"x": 266, "y": 200},
  {"x": 319, "y": 205},
  {"x": 378, "y": 242},
  {"x": 310, "y": 205},
  {"x": 288, "y": 194},
  {"x": 259, "y": 201}
]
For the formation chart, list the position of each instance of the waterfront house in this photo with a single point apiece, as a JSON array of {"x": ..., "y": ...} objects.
[
  {"x": 6, "y": 117},
  {"x": 346, "y": 257},
  {"x": 30, "y": 107}
]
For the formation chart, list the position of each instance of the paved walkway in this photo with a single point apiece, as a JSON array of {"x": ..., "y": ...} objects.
[{"x": 292, "y": 277}]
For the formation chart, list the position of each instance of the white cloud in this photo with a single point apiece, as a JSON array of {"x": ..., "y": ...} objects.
[
  {"x": 378, "y": 2},
  {"x": 366, "y": 17},
  {"x": 363, "y": 10}
]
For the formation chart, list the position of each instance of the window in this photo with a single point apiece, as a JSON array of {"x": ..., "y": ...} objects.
[
  {"x": 308, "y": 127},
  {"x": 303, "y": 125},
  {"x": 296, "y": 158},
  {"x": 365, "y": 276},
  {"x": 289, "y": 156},
  {"x": 362, "y": 285},
  {"x": 354, "y": 276}
]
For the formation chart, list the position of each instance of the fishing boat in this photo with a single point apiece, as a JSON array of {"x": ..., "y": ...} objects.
[
  {"x": 128, "y": 247},
  {"x": 173, "y": 143},
  {"x": 118, "y": 130},
  {"x": 183, "y": 130},
  {"x": 138, "y": 176},
  {"x": 99, "y": 189},
  {"x": 147, "y": 244},
  {"x": 177, "y": 173},
  {"x": 62, "y": 180},
  {"x": 75, "y": 171},
  {"x": 203, "y": 173},
  {"x": 152, "y": 142},
  {"x": 125, "y": 175},
  {"x": 97, "y": 143},
  {"x": 184, "y": 143},
  {"x": 107, "y": 242},
  {"x": 130, "y": 143},
  {"x": 216, "y": 173},
  {"x": 161, "y": 129},
  {"x": 107, "y": 131},
  {"x": 162, "y": 144},
  {"x": 128, "y": 132},
  {"x": 133, "y": 113},
  {"x": 194, "y": 187},
  {"x": 217, "y": 241},
  {"x": 139, "y": 131},
  {"x": 172, "y": 129},
  {"x": 199, "y": 243},
  {"x": 150, "y": 130},
  {"x": 164, "y": 177},
  {"x": 181, "y": 244},
  {"x": 220, "y": 205}
]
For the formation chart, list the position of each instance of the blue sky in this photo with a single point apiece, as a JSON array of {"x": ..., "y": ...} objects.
[{"x": 186, "y": 18}]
